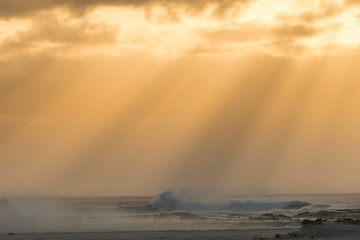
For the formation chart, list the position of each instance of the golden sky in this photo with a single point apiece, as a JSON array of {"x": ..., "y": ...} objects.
[{"x": 116, "y": 97}]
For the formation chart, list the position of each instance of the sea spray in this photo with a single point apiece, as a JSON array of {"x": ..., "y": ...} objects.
[{"x": 171, "y": 201}]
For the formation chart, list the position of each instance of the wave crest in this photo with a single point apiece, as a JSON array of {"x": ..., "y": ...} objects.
[{"x": 168, "y": 201}]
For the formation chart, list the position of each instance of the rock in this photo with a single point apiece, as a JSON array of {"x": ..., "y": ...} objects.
[
  {"x": 292, "y": 235},
  {"x": 308, "y": 222},
  {"x": 277, "y": 236},
  {"x": 349, "y": 221},
  {"x": 331, "y": 215}
]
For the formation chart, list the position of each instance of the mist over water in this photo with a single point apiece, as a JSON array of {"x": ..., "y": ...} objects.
[
  {"x": 171, "y": 210},
  {"x": 169, "y": 201}
]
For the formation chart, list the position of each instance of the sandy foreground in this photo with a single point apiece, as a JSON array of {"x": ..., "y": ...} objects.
[{"x": 323, "y": 230}]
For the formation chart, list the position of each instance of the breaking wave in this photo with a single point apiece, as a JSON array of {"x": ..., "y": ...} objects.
[{"x": 168, "y": 201}]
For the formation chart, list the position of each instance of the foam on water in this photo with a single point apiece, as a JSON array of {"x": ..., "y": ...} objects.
[
  {"x": 170, "y": 201},
  {"x": 171, "y": 210}
]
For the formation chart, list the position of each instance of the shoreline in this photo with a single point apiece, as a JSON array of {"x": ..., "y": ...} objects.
[{"x": 311, "y": 229}]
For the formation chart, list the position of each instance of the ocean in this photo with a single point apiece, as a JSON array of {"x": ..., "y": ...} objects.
[{"x": 170, "y": 215}]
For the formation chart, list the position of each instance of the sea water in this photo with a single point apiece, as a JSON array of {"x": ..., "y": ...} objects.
[{"x": 171, "y": 212}]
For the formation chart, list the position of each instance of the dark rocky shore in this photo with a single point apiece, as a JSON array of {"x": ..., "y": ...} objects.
[{"x": 337, "y": 224}]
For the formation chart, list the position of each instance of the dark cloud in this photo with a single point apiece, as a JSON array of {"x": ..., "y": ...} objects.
[
  {"x": 286, "y": 38},
  {"x": 352, "y": 2},
  {"x": 241, "y": 33},
  {"x": 282, "y": 39},
  {"x": 51, "y": 30},
  {"x": 226, "y": 40},
  {"x": 311, "y": 16},
  {"x": 16, "y": 8},
  {"x": 294, "y": 31},
  {"x": 200, "y": 50},
  {"x": 287, "y": 47}
]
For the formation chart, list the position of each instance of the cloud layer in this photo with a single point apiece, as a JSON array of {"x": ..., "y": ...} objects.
[
  {"x": 16, "y": 8},
  {"x": 177, "y": 28}
]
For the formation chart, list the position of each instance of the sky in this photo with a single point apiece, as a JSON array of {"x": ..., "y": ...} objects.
[{"x": 134, "y": 97}]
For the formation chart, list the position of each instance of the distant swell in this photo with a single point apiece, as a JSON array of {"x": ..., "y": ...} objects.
[{"x": 168, "y": 201}]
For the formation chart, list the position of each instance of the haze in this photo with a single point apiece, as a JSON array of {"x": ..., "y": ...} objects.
[{"x": 105, "y": 97}]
